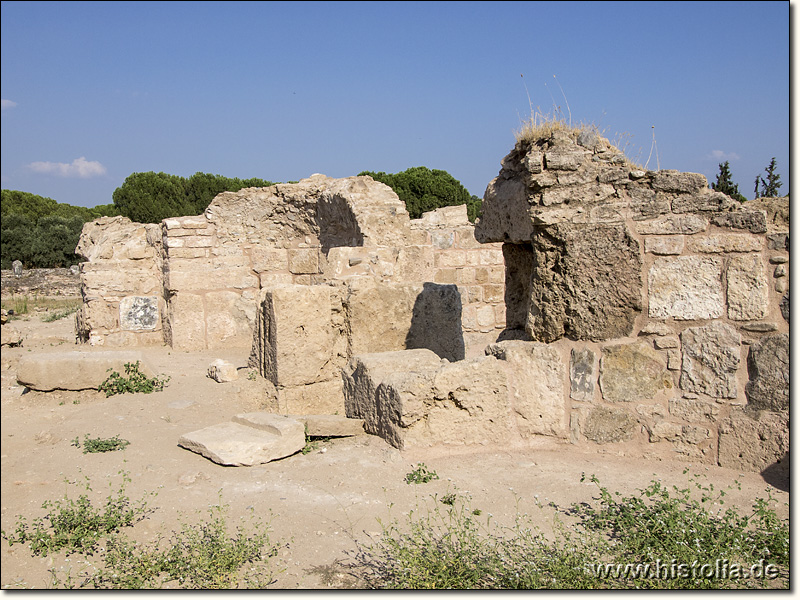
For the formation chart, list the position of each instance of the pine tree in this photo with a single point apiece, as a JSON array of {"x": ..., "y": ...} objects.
[
  {"x": 725, "y": 183},
  {"x": 770, "y": 186}
]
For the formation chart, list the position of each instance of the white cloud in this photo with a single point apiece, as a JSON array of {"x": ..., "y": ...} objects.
[
  {"x": 80, "y": 167},
  {"x": 720, "y": 155},
  {"x": 7, "y": 104}
]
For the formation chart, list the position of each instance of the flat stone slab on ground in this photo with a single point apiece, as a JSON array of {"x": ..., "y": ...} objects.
[
  {"x": 250, "y": 439},
  {"x": 80, "y": 370}
]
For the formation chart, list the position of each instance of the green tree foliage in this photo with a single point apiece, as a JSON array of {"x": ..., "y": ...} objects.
[
  {"x": 424, "y": 189},
  {"x": 40, "y": 232},
  {"x": 151, "y": 197},
  {"x": 769, "y": 188},
  {"x": 725, "y": 183}
]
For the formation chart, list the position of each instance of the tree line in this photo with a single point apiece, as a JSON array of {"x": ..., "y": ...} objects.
[{"x": 43, "y": 233}]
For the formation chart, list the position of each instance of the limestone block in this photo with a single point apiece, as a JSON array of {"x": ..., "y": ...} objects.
[
  {"x": 686, "y": 224},
  {"x": 415, "y": 263},
  {"x": 755, "y": 221},
  {"x": 303, "y": 261},
  {"x": 250, "y": 439},
  {"x": 505, "y": 210},
  {"x": 704, "y": 200},
  {"x": 632, "y": 373},
  {"x": 748, "y": 289},
  {"x": 139, "y": 313},
  {"x": 710, "y": 360},
  {"x": 664, "y": 245},
  {"x": 228, "y": 319},
  {"x": 586, "y": 282},
  {"x": 686, "y": 288},
  {"x": 582, "y": 375},
  {"x": 693, "y": 410},
  {"x": 222, "y": 371},
  {"x": 364, "y": 373},
  {"x": 187, "y": 325},
  {"x": 535, "y": 375},
  {"x": 647, "y": 204},
  {"x": 754, "y": 441},
  {"x": 768, "y": 367},
  {"x": 321, "y": 397},
  {"x": 300, "y": 340},
  {"x": 606, "y": 425},
  {"x": 79, "y": 370},
  {"x": 725, "y": 242},
  {"x": 668, "y": 180},
  {"x": 387, "y": 317}
]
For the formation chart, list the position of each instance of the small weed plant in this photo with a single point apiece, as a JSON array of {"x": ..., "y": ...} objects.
[
  {"x": 616, "y": 542},
  {"x": 95, "y": 445},
  {"x": 421, "y": 474},
  {"x": 133, "y": 382},
  {"x": 59, "y": 314},
  {"x": 76, "y": 525}
]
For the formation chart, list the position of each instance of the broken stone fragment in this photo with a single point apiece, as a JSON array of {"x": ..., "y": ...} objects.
[{"x": 222, "y": 371}]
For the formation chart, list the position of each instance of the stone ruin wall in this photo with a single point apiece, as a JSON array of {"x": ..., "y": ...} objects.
[
  {"x": 620, "y": 309},
  {"x": 194, "y": 282},
  {"x": 667, "y": 302}
]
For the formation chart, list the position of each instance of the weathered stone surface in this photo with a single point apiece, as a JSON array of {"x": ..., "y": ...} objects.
[
  {"x": 686, "y": 288},
  {"x": 536, "y": 380},
  {"x": 673, "y": 225},
  {"x": 755, "y": 221},
  {"x": 711, "y": 356},
  {"x": 222, "y": 371},
  {"x": 785, "y": 307},
  {"x": 582, "y": 375},
  {"x": 187, "y": 326},
  {"x": 300, "y": 335},
  {"x": 330, "y": 425},
  {"x": 667, "y": 180},
  {"x": 704, "y": 200},
  {"x": 365, "y": 372},
  {"x": 748, "y": 289},
  {"x": 632, "y": 373},
  {"x": 725, "y": 242},
  {"x": 79, "y": 370},
  {"x": 753, "y": 444},
  {"x": 322, "y": 397},
  {"x": 693, "y": 410},
  {"x": 11, "y": 336},
  {"x": 586, "y": 282},
  {"x": 139, "y": 312},
  {"x": 664, "y": 245},
  {"x": 250, "y": 439},
  {"x": 605, "y": 425},
  {"x": 768, "y": 367}
]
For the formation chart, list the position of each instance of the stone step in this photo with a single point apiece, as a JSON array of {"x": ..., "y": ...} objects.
[{"x": 250, "y": 439}]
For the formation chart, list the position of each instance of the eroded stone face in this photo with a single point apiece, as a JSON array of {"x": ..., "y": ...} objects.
[
  {"x": 139, "y": 312},
  {"x": 711, "y": 356},
  {"x": 605, "y": 425},
  {"x": 768, "y": 365},
  {"x": 686, "y": 288},
  {"x": 632, "y": 373},
  {"x": 586, "y": 282}
]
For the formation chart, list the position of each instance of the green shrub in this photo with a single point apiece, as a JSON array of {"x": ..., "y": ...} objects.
[
  {"x": 134, "y": 382},
  {"x": 95, "y": 445},
  {"x": 420, "y": 475},
  {"x": 77, "y": 525}
]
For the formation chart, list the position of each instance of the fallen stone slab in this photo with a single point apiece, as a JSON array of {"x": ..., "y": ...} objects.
[
  {"x": 249, "y": 439},
  {"x": 80, "y": 370},
  {"x": 331, "y": 425}
]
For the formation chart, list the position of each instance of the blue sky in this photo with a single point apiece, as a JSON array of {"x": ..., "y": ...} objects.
[{"x": 95, "y": 91}]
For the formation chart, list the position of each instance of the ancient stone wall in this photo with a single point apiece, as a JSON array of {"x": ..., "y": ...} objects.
[
  {"x": 202, "y": 275},
  {"x": 667, "y": 301}
]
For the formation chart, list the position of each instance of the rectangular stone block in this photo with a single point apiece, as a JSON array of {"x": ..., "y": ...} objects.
[
  {"x": 80, "y": 370},
  {"x": 664, "y": 245},
  {"x": 686, "y": 288},
  {"x": 725, "y": 242},
  {"x": 269, "y": 259},
  {"x": 304, "y": 261},
  {"x": 748, "y": 288}
]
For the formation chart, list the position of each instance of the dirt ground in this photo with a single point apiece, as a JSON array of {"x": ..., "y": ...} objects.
[{"x": 320, "y": 504}]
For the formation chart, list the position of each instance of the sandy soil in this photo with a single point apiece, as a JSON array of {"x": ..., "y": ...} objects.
[{"x": 320, "y": 504}]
